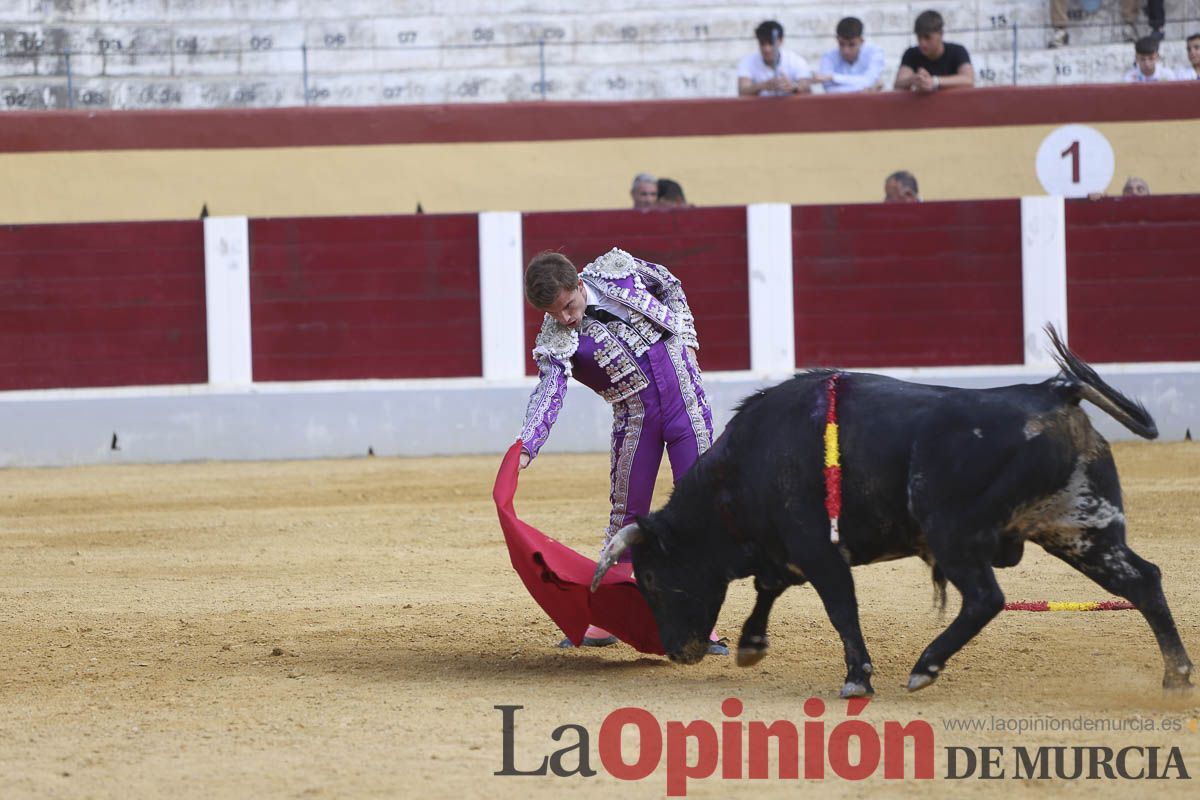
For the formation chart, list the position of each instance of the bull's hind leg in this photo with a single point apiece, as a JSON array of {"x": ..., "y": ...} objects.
[
  {"x": 1104, "y": 557},
  {"x": 982, "y": 600},
  {"x": 753, "y": 645}
]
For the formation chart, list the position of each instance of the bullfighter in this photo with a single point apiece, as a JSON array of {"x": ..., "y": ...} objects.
[{"x": 623, "y": 328}]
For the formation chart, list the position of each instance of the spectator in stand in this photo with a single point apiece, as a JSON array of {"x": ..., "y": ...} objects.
[
  {"x": 1148, "y": 66},
  {"x": 1135, "y": 187},
  {"x": 772, "y": 71},
  {"x": 644, "y": 191},
  {"x": 901, "y": 187},
  {"x": 934, "y": 64},
  {"x": 1191, "y": 73},
  {"x": 853, "y": 66},
  {"x": 1129, "y": 13},
  {"x": 670, "y": 194}
]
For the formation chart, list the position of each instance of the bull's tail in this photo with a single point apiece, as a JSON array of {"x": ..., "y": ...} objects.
[
  {"x": 939, "y": 589},
  {"x": 1082, "y": 383}
]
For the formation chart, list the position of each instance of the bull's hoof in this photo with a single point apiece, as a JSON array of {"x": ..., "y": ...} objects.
[
  {"x": 692, "y": 653},
  {"x": 1178, "y": 679},
  {"x": 751, "y": 650},
  {"x": 1176, "y": 683},
  {"x": 747, "y": 657},
  {"x": 856, "y": 689},
  {"x": 919, "y": 680}
]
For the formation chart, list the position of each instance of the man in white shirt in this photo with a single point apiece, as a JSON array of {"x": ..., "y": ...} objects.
[
  {"x": 773, "y": 71},
  {"x": 1148, "y": 68},
  {"x": 853, "y": 66},
  {"x": 1192, "y": 73}
]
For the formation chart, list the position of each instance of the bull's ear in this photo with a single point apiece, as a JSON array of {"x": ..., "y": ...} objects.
[{"x": 652, "y": 533}]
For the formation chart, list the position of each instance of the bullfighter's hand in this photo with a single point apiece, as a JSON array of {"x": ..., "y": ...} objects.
[{"x": 524, "y": 459}]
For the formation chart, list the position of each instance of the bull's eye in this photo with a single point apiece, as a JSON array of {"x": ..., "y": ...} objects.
[{"x": 647, "y": 579}]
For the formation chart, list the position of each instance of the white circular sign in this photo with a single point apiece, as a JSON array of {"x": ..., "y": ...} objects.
[{"x": 1075, "y": 160}]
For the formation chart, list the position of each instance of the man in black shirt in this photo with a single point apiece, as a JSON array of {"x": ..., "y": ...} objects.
[{"x": 933, "y": 64}]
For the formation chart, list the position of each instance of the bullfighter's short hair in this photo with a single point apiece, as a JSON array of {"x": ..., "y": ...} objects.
[{"x": 547, "y": 275}]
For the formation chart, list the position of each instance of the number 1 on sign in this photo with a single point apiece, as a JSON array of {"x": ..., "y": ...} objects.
[
  {"x": 1074, "y": 151},
  {"x": 1085, "y": 175}
]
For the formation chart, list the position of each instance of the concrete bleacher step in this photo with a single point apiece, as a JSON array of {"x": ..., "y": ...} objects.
[{"x": 214, "y": 53}]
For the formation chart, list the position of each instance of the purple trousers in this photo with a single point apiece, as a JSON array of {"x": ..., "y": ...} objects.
[{"x": 671, "y": 412}]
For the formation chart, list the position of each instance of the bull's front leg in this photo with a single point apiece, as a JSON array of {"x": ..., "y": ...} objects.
[
  {"x": 833, "y": 582},
  {"x": 753, "y": 644}
]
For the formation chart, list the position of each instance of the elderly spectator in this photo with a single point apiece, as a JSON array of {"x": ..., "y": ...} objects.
[
  {"x": 934, "y": 64},
  {"x": 644, "y": 191},
  {"x": 1148, "y": 68},
  {"x": 772, "y": 71},
  {"x": 901, "y": 187},
  {"x": 853, "y": 66},
  {"x": 1135, "y": 187}
]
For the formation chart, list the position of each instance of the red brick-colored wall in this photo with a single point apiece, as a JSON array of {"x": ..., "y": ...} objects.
[
  {"x": 704, "y": 247},
  {"x": 932, "y": 284},
  {"x": 1133, "y": 278},
  {"x": 365, "y": 297},
  {"x": 907, "y": 284},
  {"x": 86, "y": 305}
]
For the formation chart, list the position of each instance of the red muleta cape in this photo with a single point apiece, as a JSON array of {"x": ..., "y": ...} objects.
[{"x": 560, "y": 579}]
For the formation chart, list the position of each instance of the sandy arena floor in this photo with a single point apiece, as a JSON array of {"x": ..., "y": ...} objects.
[{"x": 345, "y": 628}]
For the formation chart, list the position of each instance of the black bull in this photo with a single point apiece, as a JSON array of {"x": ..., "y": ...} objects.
[{"x": 961, "y": 478}]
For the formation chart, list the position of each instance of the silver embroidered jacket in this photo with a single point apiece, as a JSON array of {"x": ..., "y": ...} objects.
[{"x": 605, "y": 357}]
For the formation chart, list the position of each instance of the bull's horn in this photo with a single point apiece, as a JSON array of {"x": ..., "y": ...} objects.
[{"x": 618, "y": 544}]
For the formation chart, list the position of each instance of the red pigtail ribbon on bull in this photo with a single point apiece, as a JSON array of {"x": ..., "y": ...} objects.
[{"x": 833, "y": 467}]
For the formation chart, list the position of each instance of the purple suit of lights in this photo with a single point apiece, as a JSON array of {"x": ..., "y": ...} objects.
[{"x": 641, "y": 366}]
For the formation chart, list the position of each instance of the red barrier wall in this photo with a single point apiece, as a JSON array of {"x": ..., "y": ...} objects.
[
  {"x": 47, "y": 131},
  {"x": 365, "y": 297},
  {"x": 1133, "y": 278},
  {"x": 908, "y": 284},
  {"x": 704, "y": 247},
  {"x": 102, "y": 305},
  {"x": 398, "y": 297}
]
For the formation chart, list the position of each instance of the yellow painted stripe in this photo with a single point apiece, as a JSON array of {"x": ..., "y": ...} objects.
[{"x": 956, "y": 163}]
